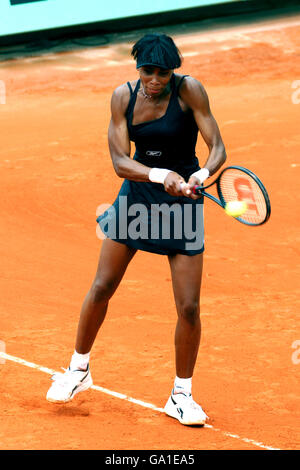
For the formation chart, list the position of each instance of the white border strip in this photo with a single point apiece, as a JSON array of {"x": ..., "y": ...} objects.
[{"x": 18, "y": 360}]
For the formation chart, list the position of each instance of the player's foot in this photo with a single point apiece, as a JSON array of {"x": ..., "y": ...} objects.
[
  {"x": 182, "y": 407},
  {"x": 65, "y": 386}
]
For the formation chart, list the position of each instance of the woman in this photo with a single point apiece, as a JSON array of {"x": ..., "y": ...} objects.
[{"x": 162, "y": 113}]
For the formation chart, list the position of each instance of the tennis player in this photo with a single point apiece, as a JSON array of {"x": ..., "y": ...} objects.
[{"x": 162, "y": 113}]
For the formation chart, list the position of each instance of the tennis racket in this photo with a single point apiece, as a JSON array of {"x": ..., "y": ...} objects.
[{"x": 236, "y": 183}]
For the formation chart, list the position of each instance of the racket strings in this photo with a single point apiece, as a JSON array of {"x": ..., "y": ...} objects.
[{"x": 236, "y": 185}]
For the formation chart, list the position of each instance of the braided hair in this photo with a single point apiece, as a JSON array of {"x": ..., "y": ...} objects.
[{"x": 158, "y": 50}]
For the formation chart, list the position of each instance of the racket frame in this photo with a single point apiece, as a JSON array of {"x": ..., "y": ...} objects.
[{"x": 221, "y": 201}]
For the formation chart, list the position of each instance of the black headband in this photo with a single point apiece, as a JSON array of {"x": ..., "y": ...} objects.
[{"x": 151, "y": 64}]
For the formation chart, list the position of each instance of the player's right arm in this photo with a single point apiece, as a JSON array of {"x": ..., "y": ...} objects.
[
  {"x": 119, "y": 142},
  {"x": 119, "y": 146}
]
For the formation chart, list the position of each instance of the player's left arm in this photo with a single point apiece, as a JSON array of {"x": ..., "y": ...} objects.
[{"x": 194, "y": 95}]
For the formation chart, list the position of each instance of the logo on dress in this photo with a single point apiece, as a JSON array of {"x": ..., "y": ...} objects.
[{"x": 153, "y": 153}]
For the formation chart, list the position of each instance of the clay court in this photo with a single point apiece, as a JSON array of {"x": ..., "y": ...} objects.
[{"x": 55, "y": 172}]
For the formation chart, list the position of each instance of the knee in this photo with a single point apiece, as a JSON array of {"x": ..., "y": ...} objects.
[
  {"x": 101, "y": 290},
  {"x": 190, "y": 312}
]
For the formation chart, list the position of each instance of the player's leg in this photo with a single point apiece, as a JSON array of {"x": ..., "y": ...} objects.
[
  {"x": 186, "y": 274},
  {"x": 113, "y": 261},
  {"x": 186, "y": 278}
]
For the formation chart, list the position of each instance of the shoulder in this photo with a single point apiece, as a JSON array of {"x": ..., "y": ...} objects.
[
  {"x": 121, "y": 96},
  {"x": 190, "y": 84},
  {"x": 192, "y": 92}
]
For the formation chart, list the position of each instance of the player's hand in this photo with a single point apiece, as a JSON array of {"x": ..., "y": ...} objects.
[
  {"x": 174, "y": 183},
  {"x": 187, "y": 188}
]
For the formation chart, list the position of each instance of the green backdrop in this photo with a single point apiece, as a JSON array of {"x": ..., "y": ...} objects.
[{"x": 22, "y": 16}]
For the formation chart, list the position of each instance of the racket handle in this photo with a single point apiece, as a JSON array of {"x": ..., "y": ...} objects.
[{"x": 197, "y": 190}]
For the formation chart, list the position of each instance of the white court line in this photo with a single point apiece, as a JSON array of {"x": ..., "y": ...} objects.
[{"x": 18, "y": 360}]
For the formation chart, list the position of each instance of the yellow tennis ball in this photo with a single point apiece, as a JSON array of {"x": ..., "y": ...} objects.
[{"x": 235, "y": 208}]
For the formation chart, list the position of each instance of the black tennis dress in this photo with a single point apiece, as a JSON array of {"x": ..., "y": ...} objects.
[{"x": 144, "y": 216}]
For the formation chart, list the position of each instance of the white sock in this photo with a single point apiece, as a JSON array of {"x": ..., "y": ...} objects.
[
  {"x": 79, "y": 361},
  {"x": 184, "y": 385}
]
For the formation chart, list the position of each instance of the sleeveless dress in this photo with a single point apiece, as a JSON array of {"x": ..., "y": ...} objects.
[{"x": 144, "y": 216}]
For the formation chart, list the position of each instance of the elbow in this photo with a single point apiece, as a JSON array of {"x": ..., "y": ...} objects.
[
  {"x": 119, "y": 168},
  {"x": 224, "y": 156}
]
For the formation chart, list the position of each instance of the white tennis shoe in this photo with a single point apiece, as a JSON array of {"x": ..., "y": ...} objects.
[
  {"x": 182, "y": 407},
  {"x": 65, "y": 386}
]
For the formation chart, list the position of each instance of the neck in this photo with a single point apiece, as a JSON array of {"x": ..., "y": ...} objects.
[{"x": 144, "y": 93}]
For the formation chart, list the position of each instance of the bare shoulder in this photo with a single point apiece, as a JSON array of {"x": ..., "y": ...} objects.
[
  {"x": 193, "y": 85},
  {"x": 120, "y": 97},
  {"x": 193, "y": 92}
]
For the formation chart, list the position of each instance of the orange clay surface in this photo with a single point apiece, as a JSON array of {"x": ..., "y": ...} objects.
[{"x": 55, "y": 170}]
